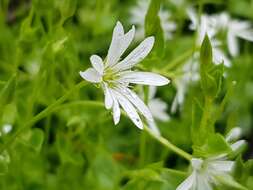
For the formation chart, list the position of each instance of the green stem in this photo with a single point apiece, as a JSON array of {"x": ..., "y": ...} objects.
[
  {"x": 42, "y": 114},
  {"x": 179, "y": 60},
  {"x": 143, "y": 143},
  {"x": 206, "y": 113},
  {"x": 169, "y": 145}
]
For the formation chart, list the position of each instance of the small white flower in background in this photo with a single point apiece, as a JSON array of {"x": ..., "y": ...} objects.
[
  {"x": 234, "y": 29},
  {"x": 205, "y": 173},
  {"x": 6, "y": 128},
  {"x": 190, "y": 74},
  {"x": 115, "y": 76},
  {"x": 157, "y": 106},
  {"x": 138, "y": 14},
  {"x": 208, "y": 25}
]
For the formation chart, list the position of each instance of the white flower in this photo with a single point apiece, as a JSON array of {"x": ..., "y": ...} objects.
[
  {"x": 157, "y": 106},
  {"x": 6, "y": 128},
  {"x": 205, "y": 173},
  {"x": 235, "y": 29},
  {"x": 115, "y": 75},
  {"x": 208, "y": 25},
  {"x": 138, "y": 14},
  {"x": 190, "y": 74}
]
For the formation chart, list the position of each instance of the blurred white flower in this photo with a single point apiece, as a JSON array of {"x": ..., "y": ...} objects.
[
  {"x": 157, "y": 106},
  {"x": 190, "y": 74},
  {"x": 115, "y": 76},
  {"x": 208, "y": 25},
  {"x": 138, "y": 14},
  {"x": 205, "y": 173},
  {"x": 234, "y": 29}
]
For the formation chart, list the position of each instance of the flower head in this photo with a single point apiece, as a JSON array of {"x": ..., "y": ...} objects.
[
  {"x": 208, "y": 25},
  {"x": 234, "y": 29},
  {"x": 190, "y": 74},
  {"x": 139, "y": 12},
  {"x": 115, "y": 76},
  {"x": 205, "y": 173},
  {"x": 157, "y": 106}
]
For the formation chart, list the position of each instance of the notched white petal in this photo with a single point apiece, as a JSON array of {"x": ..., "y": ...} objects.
[
  {"x": 91, "y": 75},
  {"x": 97, "y": 63},
  {"x": 138, "y": 54},
  {"x": 145, "y": 78},
  {"x": 113, "y": 52},
  {"x": 129, "y": 109}
]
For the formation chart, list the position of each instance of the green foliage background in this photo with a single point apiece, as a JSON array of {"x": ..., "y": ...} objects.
[{"x": 43, "y": 46}]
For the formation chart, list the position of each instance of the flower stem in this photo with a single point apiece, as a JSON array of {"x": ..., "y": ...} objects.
[
  {"x": 42, "y": 114},
  {"x": 179, "y": 60},
  {"x": 169, "y": 145}
]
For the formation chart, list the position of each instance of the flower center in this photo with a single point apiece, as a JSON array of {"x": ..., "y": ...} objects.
[{"x": 110, "y": 77}]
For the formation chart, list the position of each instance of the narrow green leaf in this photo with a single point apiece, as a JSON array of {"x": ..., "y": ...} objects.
[
  {"x": 8, "y": 91},
  {"x": 153, "y": 26}
]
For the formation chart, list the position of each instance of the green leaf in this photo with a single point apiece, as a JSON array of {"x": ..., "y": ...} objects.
[
  {"x": 67, "y": 154},
  {"x": 67, "y": 8},
  {"x": 8, "y": 91},
  {"x": 153, "y": 26},
  {"x": 215, "y": 145},
  {"x": 33, "y": 139},
  {"x": 243, "y": 172}
]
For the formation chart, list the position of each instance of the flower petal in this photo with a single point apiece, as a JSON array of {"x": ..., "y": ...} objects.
[
  {"x": 203, "y": 183},
  {"x": 116, "y": 111},
  {"x": 125, "y": 41},
  {"x": 158, "y": 109},
  {"x": 113, "y": 52},
  {"x": 129, "y": 109},
  {"x": 97, "y": 63},
  {"x": 232, "y": 44},
  {"x": 136, "y": 55},
  {"x": 141, "y": 107},
  {"x": 193, "y": 17},
  {"x": 220, "y": 165},
  {"x": 219, "y": 57},
  {"x": 146, "y": 78},
  {"x": 91, "y": 75},
  {"x": 187, "y": 183},
  {"x": 151, "y": 92},
  {"x": 237, "y": 145},
  {"x": 234, "y": 134},
  {"x": 108, "y": 97}
]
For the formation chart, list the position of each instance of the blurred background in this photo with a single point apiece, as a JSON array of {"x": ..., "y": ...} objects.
[{"x": 43, "y": 46}]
